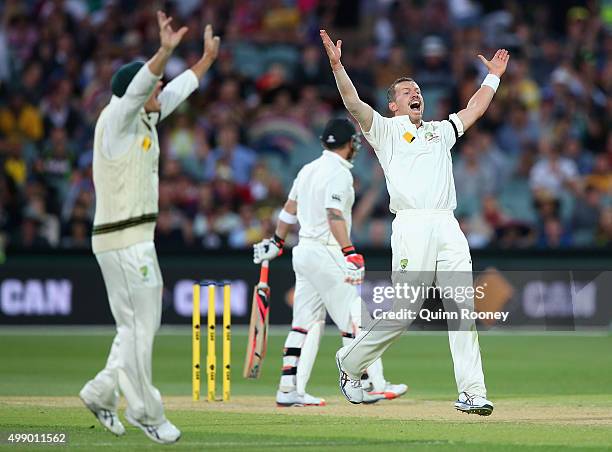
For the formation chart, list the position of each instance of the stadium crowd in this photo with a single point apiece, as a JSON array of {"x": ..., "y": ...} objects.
[{"x": 537, "y": 172}]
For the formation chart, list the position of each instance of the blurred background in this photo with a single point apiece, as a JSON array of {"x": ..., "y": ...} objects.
[
  {"x": 533, "y": 179},
  {"x": 536, "y": 173}
]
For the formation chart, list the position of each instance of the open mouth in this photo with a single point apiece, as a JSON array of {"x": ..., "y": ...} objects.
[{"x": 415, "y": 106}]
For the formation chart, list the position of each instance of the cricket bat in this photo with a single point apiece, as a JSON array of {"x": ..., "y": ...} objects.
[{"x": 258, "y": 328}]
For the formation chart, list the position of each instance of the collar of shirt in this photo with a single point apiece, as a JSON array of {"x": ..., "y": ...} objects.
[
  {"x": 406, "y": 119},
  {"x": 151, "y": 118},
  {"x": 342, "y": 160}
]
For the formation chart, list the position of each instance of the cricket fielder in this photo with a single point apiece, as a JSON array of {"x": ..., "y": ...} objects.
[
  {"x": 125, "y": 173},
  {"x": 326, "y": 266},
  {"x": 426, "y": 240}
]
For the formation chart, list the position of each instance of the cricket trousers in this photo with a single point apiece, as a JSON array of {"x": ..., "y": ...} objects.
[
  {"x": 134, "y": 284},
  {"x": 428, "y": 247},
  {"x": 319, "y": 289}
]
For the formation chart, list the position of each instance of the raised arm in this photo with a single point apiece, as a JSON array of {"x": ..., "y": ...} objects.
[
  {"x": 179, "y": 89},
  {"x": 480, "y": 101},
  {"x": 209, "y": 55},
  {"x": 169, "y": 39},
  {"x": 145, "y": 81},
  {"x": 361, "y": 111}
]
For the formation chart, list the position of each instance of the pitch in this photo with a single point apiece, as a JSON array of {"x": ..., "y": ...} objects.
[{"x": 549, "y": 391}]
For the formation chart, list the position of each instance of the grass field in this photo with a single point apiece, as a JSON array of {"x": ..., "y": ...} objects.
[{"x": 550, "y": 391}]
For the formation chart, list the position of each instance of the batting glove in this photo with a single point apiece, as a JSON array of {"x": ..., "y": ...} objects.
[
  {"x": 268, "y": 249},
  {"x": 355, "y": 266}
]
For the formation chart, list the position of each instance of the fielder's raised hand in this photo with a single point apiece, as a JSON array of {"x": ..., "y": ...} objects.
[
  {"x": 268, "y": 249},
  {"x": 209, "y": 53},
  {"x": 211, "y": 44},
  {"x": 497, "y": 65},
  {"x": 169, "y": 38},
  {"x": 334, "y": 51}
]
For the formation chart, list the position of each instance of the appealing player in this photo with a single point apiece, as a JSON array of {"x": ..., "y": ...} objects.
[
  {"x": 426, "y": 240},
  {"x": 125, "y": 173},
  {"x": 326, "y": 266}
]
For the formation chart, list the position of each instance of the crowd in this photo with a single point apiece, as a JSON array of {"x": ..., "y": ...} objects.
[{"x": 535, "y": 172}]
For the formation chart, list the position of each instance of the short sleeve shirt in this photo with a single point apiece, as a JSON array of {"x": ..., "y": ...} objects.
[
  {"x": 325, "y": 183},
  {"x": 416, "y": 161}
]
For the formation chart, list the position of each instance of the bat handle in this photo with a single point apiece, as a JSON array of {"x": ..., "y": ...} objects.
[{"x": 263, "y": 274}]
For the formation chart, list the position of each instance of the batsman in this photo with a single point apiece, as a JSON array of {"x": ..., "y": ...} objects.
[
  {"x": 125, "y": 173},
  {"x": 327, "y": 267}
]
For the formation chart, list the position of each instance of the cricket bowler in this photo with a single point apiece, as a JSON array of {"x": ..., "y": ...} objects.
[
  {"x": 327, "y": 267},
  {"x": 125, "y": 173},
  {"x": 426, "y": 239}
]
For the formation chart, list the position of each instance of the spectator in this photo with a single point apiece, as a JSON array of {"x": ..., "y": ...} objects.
[
  {"x": 20, "y": 120},
  {"x": 432, "y": 75},
  {"x": 601, "y": 177},
  {"x": 30, "y": 235},
  {"x": 586, "y": 216},
  {"x": 553, "y": 173},
  {"x": 48, "y": 224},
  {"x": 271, "y": 91},
  {"x": 79, "y": 236},
  {"x": 57, "y": 110},
  {"x": 200, "y": 163},
  {"x": 473, "y": 179},
  {"x": 518, "y": 131},
  {"x": 553, "y": 235},
  {"x": 56, "y": 164},
  {"x": 180, "y": 141},
  {"x": 248, "y": 232},
  {"x": 604, "y": 232},
  {"x": 168, "y": 232},
  {"x": 238, "y": 157},
  {"x": 314, "y": 70}
]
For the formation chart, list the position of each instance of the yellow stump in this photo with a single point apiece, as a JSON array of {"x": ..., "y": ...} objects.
[
  {"x": 211, "y": 359},
  {"x": 195, "y": 343},
  {"x": 227, "y": 340}
]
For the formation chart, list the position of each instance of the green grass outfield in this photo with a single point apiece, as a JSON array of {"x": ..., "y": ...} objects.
[{"x": 550, "y": 391}]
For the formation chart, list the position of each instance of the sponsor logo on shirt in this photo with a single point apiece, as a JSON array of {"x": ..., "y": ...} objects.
[
  {"x": 336, "y": 198},
  {"x": 408, "y": 137},
  {"x": 144, "y": 271},
  {"x": 432, "y": 137},
  {"x": 146, "y": 143}
]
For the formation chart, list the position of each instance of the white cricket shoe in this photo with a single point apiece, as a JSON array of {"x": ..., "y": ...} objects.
[
  {"x": 474, "y": 404},
  {"x": 293, "y": 399},
  {"x": 309, "y": 400},
  {"x": 390, "y": 392},
  {"x": 164, "y": 433},
  {"x": 286, "y": 399},
  {"x": 107, "y": 418},
  {"x": 350, "y": 388}
]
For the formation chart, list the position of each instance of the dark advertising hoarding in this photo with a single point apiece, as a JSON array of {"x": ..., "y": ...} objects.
[{"x": 534, "y": 291}]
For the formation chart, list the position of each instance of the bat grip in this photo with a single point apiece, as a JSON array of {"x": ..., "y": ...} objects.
[{"x": 263, "y": 274}]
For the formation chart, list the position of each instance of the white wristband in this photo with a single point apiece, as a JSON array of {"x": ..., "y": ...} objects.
[
  {"x": 454, "y": 119},
  {"x": 492, "y": 81},
  {"x": 286, "y": 217}
]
